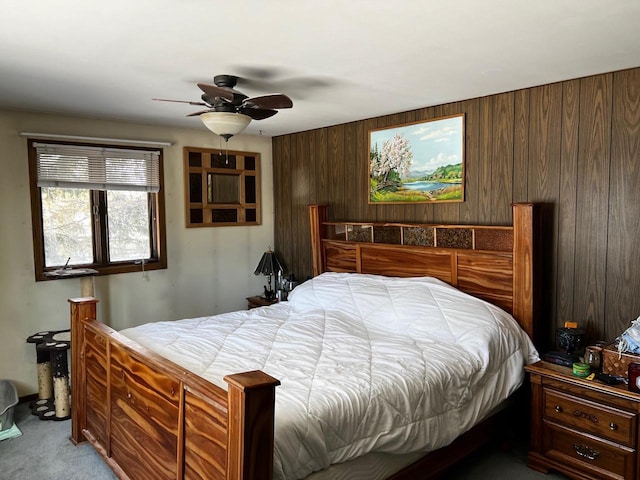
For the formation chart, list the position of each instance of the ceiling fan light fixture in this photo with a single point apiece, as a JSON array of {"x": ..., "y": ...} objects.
[{"x": 225, "y": 124}]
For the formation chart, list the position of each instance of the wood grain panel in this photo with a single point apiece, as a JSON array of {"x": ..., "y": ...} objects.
[
  {"x": 521, "y": 145},
  {"x": 96, "y": 388},
  {"x": 349, "y": 160},
  {"x": 479, "y": 274},
  {"x": 545, "y": 114},
  {"x": 303, "y": 183},
  {"x": 340, "y": 257},
  {"x": 297, "y": 187},
  {"x": 205, "y": 434},
  {"x": 356, "y": 194},
  {"x": 623, "y": 274},
  {"x": 282, "y": 216},
  {"x": 567, "y": 203},
  {"x": 502, "y": 158},
  {"x": 593, "y": 194},
  {"x": 468, "y": 209},
  {"x": 484, "y": 158},
  {"x": 545, "y": 146},
  {"x": 144, "y": 416},
  {"x": 383, "y": 260},
  {"x": 336, "y": 163},
  {"x": 318, "y": 155}
]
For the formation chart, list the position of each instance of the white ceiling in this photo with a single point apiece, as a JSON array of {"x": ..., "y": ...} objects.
[{"x": 339, "y": 60}]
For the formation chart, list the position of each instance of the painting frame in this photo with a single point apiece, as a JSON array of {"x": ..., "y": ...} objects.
[{"x": 434, "y": 174}]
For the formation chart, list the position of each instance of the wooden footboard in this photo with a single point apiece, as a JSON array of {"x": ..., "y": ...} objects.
[{"x": 151, "y": 419}]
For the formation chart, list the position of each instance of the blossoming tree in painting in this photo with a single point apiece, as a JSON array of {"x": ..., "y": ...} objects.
[{"x": 391, "y": 163}]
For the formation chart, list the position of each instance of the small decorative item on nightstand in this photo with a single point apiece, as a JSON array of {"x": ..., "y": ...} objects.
[
  {"x": 581, "y": 369},
  {"x": 285, "y": 285},
  {"x": 570, "y": 340},
  {"x": 593, "y": 356}
]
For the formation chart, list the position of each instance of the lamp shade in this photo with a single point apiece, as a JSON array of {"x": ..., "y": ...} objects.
[
  {"x": 225, "y": 123},
  {"x": 269, "y": 264}
]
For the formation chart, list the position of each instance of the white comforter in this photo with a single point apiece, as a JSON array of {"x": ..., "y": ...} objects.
[{"x": 367, "y": 363}]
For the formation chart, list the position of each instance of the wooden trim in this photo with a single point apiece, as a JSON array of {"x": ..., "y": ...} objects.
[
  {"x": 181, "y": 418},
  {"x": 317, "y": 216},
  {"x": 36, "y": 213},
  {"x": 525, "y": 291},
  {"x": 250, "y": 430},
  {"x": 81, "y": 310}
]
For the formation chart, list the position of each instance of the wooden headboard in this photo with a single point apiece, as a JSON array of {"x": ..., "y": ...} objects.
[{"x": 496, "y": 263}]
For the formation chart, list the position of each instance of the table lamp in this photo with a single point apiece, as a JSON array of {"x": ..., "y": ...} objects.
[{"x": 269, "y": 265}]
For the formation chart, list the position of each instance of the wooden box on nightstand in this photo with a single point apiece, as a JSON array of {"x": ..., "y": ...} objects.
[{"x": 582, "y": 428}]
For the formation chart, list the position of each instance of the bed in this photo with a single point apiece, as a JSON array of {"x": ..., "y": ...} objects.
[{"x": 150, "y": 417}]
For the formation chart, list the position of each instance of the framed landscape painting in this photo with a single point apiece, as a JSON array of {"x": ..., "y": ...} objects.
[{"x": 420, "y": 162}]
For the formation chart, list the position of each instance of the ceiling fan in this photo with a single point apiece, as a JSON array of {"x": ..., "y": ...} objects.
[{"x": 230, "y": 111}]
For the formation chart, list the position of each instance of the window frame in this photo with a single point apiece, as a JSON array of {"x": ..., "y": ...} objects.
[{"x": 157, "y": 222}]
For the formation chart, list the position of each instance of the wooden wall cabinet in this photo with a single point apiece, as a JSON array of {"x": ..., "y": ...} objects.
[{"x": 222, "y": 187}]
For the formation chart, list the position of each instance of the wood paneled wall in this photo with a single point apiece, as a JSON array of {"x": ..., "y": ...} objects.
[{"x": 574, "y": 145}]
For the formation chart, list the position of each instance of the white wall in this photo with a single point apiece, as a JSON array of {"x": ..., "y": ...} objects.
[{"x": 210, "y": 270}]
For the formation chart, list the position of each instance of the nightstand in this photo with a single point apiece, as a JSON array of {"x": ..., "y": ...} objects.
[
  {"x": 258, "y": 301},
  {"x": 580, "y": 427}
]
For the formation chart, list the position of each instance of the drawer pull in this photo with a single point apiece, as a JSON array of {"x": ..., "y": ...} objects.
[
  {"x": 586, "y": 416},
  {"x": 558, "y": 409},
  {"x": 613, "y": 426},
  {"x": 586, "y": 452}
]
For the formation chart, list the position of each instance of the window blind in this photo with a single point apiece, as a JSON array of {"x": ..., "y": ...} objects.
[{"x": 97, "y": 168}]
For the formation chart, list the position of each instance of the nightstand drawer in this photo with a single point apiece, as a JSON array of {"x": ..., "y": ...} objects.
[
  {"x": 601, "y": 459},
  {"x": 586, "y": 416}
]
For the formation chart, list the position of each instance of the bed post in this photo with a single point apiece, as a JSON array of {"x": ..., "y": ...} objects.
[
  {"x": 250, "y": 426},
  {"x": 526, "y": 275},
  {"x": 317, "y": 215},
  {"x": 81, "y": 309}
]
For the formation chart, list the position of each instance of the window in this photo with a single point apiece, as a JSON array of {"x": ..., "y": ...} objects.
[{"x": 96, "y": 206}]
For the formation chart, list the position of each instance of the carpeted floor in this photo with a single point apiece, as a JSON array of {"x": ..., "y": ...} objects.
[{"x": 44, "y": 452}]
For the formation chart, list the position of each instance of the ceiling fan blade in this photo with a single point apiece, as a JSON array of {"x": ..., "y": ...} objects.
[
  {"x": 257, "y": 113},
  {"x": 215, "y": 91},
  {"x": 274, "y": 100},
  {"x": 180, "y": 101},
  {"x": 195, "y": 114}
]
